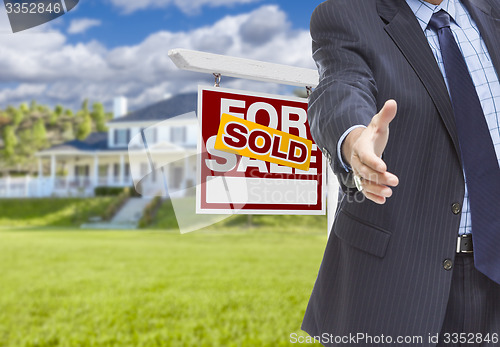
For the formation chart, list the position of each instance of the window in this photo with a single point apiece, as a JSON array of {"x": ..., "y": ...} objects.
[
  {"x": 176, "y": 176},
  {"x": 103, "y": 170},
  {"x": 150, "y": 134},
  {"x": 82, "y": 171},
  {"x": 122, "y": 137},
  {"x": 127, "y": 171},
  {"x": 116, "y": 171},
  {"x": 178, "y": 134}
]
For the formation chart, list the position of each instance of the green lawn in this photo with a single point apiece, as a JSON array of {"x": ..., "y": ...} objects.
[
  {"x": 231, "y": 287},
  {"x": 51, "y": 212}
]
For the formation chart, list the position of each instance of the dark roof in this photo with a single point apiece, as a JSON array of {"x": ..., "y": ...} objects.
[
  {"x": 175, "y": 106},
  {"x": 165, "y": 109},
  {"x": 94, "y": 142}
]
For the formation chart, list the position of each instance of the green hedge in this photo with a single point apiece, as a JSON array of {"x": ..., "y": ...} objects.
[
  {"x": 149, "y": 213},
  {"x": 115, "y": 191},
  {"x": 165, "y": 217}
]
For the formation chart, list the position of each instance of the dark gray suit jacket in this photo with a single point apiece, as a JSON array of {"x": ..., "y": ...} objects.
[{"x": 382, "y": 271}]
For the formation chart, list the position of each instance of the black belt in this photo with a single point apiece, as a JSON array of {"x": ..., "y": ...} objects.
[{"x": 464, "y": 244}]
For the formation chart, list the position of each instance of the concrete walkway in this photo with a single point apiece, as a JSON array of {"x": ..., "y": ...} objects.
[{"x": 126, "y": 218}]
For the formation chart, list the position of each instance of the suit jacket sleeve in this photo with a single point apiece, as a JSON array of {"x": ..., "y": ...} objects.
[{"x": 346, "y": 94}]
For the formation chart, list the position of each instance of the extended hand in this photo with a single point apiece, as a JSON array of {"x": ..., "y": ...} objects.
[{"x": 363, "y": 150}]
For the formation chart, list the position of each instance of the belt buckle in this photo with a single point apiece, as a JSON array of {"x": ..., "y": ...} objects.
[{"x": 459, "y": 244}]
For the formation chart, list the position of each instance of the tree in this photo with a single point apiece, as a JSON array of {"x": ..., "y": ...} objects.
[
  {"x": 99, "y": 116},
  {"x": 10, "y": 141},
  {"x": 39, "y": 134},
  {"x": 59, "y": 110},
  {"x": 84, "y": 128},
  {"x": 24, "y": 108},
  {"x": 4, "y": 119},
  {"x": 17, "y": 115},
  {"x": 67, "y": 131},
  {"x": 33, "y": 106},
  {"x": 32, "y": 127},
  {"x": 68, "y": 113},
  {"x": 85, "y": 105},
  {"x": 54, "y": 115},
  {"x": 25, "y": 148}
]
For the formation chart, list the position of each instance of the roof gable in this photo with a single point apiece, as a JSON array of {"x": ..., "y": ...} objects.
[
  {"x": 175, "y": 106},
  {"x": 94, "y": 142}
]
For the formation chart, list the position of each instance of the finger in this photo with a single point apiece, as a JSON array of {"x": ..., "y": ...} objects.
[
  {"x": 386, "y": 114},
  {"x": 372, "y": 161},
  {"x": 375, "y": 198},
  {"x": 366, "y": 172},
  {"x": 376, "y": 189}
]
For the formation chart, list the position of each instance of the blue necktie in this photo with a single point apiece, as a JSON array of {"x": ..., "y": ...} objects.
[{"x": 481, "y": 168}]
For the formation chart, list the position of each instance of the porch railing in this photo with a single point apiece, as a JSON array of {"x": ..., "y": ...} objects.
[{"x": 30, "y": 187}]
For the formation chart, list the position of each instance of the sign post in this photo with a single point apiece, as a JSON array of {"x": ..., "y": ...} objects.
[{"x": 209, "y": 63}]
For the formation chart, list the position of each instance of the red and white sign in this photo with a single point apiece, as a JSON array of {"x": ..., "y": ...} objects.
[{"x": 229, "y": 183}]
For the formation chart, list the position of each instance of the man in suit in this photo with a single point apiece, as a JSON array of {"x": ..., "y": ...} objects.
[{"x": 400, "y": 266}]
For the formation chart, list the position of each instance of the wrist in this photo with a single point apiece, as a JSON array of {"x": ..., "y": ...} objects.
[{"x": 348, "y": 144}]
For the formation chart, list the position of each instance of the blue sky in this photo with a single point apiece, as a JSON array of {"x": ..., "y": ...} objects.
[
  {"x": 118, "y": 28},
  {"x": 105, "y": 48}
]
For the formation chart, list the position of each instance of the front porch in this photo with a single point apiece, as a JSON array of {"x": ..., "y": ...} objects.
[{"x": 78, "y": 174}]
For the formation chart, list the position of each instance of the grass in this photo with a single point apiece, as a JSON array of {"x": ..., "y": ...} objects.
[
  {"x": 224, "y": 286},
  {"x": 50, "y": 212},
  {"x": 166, "y": 219}
]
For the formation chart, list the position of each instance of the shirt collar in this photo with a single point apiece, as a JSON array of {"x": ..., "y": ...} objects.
[{"x": 424, "y": 10}]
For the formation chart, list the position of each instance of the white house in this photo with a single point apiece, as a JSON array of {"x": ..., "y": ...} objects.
[{"x": 76, "y": 168}]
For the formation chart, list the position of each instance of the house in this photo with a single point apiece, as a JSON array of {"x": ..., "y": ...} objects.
[{"x": 76, "y": 168}]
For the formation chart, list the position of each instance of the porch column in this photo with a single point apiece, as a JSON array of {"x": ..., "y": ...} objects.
[
  {"x": 70, "y": 177},
  {"x": 110, "y": 174},
  {"x": 96, "y": 170},
  {"x": 40, "y": 168},
  {"x": 122, "y": 170},
  {"x": 27, "y": 186},
  {"x": 40, "y": 177},
  {"x": 52, "y": 166},
  {"x": 52, "y": 172},
  {"x": 7, "y": 185}
]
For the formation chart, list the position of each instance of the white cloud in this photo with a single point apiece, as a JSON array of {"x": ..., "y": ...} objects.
[
  {"x": 81, "y": 25},
  {"x": 186, "y": 6},
  {"x": 25, "y": 91},
  {"x": 47, "y": 68}
]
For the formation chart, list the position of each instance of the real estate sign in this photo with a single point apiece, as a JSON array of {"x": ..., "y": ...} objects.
[{"x": 256, "y": 155}]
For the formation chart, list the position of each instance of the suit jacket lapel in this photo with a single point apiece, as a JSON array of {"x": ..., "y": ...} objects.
[
  {"x": 404, "y": 29},
  {"x": 488, "y": 21}
]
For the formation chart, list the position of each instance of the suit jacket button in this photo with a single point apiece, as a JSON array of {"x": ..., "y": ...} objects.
[
  {"x": 456, "y": 208},
  {"x": 447, "y": 264}
]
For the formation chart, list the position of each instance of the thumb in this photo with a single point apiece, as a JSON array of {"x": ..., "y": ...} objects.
[{"x": 386, "y": 115}]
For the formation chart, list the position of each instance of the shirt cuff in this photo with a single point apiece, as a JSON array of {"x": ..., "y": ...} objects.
[{"x": 346, "y": 167}]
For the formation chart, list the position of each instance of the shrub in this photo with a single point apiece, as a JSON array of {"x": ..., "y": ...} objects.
[
  {"x": 115, "y": 191},
  {"x": 109, "y": 191},
  {"x": 116, "y": 205},
  {"x": 150, "y": 211}
]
